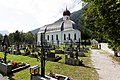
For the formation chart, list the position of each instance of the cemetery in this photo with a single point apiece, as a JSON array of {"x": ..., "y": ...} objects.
[
  {"x": 7, "y": 67},
  {"x": 44, "y": 61},
  {"x": 83, "y": 44},
  {"x": 16, "y": 60}
]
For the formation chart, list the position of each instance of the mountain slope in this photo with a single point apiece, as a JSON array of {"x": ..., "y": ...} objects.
[
  {"x": 4, "y": 32},
  {"x": 35, "y": 31}
]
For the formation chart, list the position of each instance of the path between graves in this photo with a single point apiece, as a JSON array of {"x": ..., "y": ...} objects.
[{"x": 105, "y": 66}]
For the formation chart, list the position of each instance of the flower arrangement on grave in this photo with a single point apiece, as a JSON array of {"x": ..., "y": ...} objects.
[
  {"x": 17, "y": 64},
  {"x": 14, "y": 64},
  {"x": 1, "y": 59},
  {"x": 94, "y": 46}
]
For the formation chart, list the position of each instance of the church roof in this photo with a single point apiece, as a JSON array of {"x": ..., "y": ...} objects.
[
  {"x": 58, "y": 26},
  {"x": 54, "y": 27}
]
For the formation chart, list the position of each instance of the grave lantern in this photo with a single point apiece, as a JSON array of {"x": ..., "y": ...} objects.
[{"x": 34, "y": 70}]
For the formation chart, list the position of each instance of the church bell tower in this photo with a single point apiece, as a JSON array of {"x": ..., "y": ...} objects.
[{"x": 66, "y": 15}]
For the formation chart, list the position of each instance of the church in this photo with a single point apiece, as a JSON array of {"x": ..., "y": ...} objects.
[{"x": 60, "y": 31}]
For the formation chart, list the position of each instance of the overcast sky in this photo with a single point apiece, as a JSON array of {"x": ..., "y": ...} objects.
[{"x": 26, "y": 15}]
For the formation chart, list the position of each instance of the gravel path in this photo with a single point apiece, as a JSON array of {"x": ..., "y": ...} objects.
[
  {"x": 104, "y": 46},
  {"x": 105, "y": 66}
]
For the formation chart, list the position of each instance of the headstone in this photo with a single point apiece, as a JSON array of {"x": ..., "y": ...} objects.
[
  {"x": 50, "y": 55},
  {"x": 72, "y": 55},
  {"x": 20, "y": 47},
  {"x": 59, "y": 52},
  {"x": 81, "y": 54}
]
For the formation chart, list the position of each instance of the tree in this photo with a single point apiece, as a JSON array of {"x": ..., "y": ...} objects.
[
  {"x": 92, "y": 21},
  {"x": 11, "y": 38},
  {"x": 29, "y": 38},
  {"x": 17, "y": 37},
  {"x": 1, "y": 38},
  {"x": 102, "y": 17},
  {"x": 17, "y": 40},
  {"x": 22, "y": 37}
]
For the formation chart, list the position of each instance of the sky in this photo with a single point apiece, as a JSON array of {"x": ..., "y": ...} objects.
[{"x": 27, "y": 15}]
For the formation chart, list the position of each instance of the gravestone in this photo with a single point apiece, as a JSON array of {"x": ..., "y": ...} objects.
[
  {"x": 59, "y": 52},
  {"x": 71, "y": 55},
  {"x": 50, "y": 56},
  {"x": 81, "y": 54},
  {"x": 20, "y": 47},
  {"x": 72, "y": 59}
]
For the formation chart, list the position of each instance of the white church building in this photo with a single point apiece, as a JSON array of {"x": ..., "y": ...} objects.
[{"x": 60, "y": 31}]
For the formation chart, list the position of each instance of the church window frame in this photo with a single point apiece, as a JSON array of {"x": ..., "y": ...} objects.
[
  {"x": 64, "y": 36},
  {"x": 69, "y": 36},
  {"x": 52, "y": 37},
  {"x": 48, "y": 37},
  {"x": 75, "y": 37},
  {"x": 56, "y": 36}
]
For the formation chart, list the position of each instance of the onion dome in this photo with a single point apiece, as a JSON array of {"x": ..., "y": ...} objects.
[{"x": 66, "y": 13}]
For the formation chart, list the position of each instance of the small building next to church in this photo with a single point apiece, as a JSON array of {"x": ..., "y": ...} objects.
[{"x": 60, "y": 31}]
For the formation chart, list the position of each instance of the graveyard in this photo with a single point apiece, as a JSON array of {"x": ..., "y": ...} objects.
[
  {"x": 59, "y": 40},
  {"x": 70, "y": 60},
  {"x": 61, "y": 61},
  {"x": 72, "y": 71}
]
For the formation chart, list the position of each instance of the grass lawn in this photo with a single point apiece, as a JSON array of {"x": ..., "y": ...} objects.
[{"x": 86, "y": 72}]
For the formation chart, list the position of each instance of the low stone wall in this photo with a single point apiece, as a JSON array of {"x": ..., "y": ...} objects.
[{"x": 5, "y": 69}]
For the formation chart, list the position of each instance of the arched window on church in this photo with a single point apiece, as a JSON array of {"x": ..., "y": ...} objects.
[
  {"x": 75, "y": 36},
  {"x": 69, "y": 36},
  {"x": 64, "y": 37},
  {"x": 67, "y": 18},
  {"x": 47, "y": 37},
  {"x": 56, "y": 37},
  {"x": 52, "y": 37}
]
